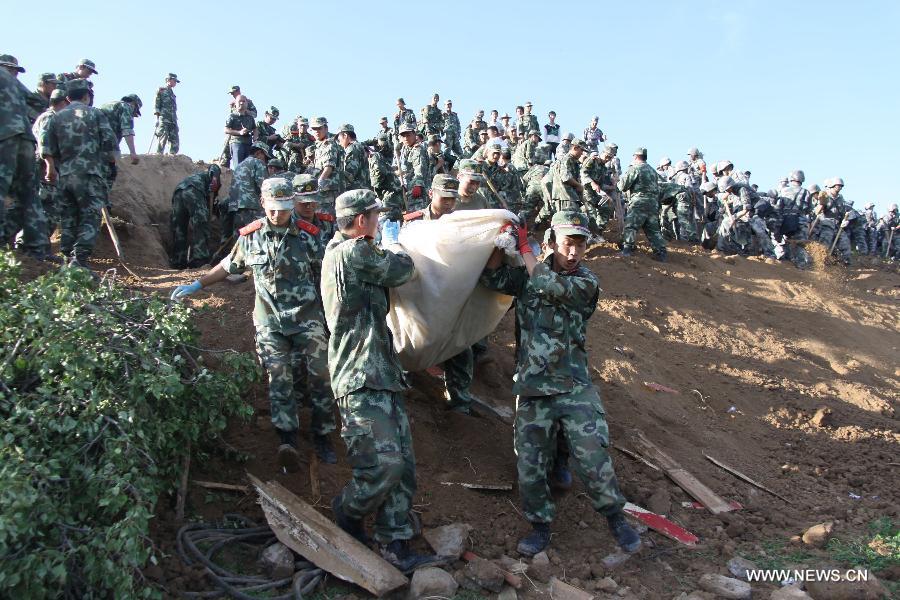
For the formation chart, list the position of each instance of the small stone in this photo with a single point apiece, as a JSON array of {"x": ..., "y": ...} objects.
[
  {"x": 818, "y": 535},
  {"x": 465, "y": 583},
  {"x": 791, "y": 592},
  {"x": 582, "y": 525},
  {"x": 615, "y": 560},
  {"x": 278, "y": 561},
  {"x": 486, "y": 574},
  {"x": 726, "y": 587},
  {"x": 432, "y": 581},
  {"x": 449, "y": 540},
  {"x": 822, "y": 418},
  {"x": 508, "y": 593},
  {"x": 608, "y": 585},
  {"x": 738, "y": 566},
  {"x": 539, "y": 568},
  {"x": 871, "y": 589}
]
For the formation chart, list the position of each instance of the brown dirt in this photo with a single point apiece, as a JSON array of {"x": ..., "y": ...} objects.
[{"x": 754, "y": 349}]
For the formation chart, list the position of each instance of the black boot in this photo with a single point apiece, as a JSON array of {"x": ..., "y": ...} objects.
[
  {"x": 536, "y": 541},
  {"x": 324, "y": 449},
  {"x": 288, "y": 457},
  {"x": 662, "y": 255},
  {"x": 626, "y": 537},
  {"x": 354, "y": 527},
  {"x": 399, "y": 554},
  {"x": 561, "y": 476}
]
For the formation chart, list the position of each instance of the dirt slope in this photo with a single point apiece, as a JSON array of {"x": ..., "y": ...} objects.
[{"x": 753, "y": 349}]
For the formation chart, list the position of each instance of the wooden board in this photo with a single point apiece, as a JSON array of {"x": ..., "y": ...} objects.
[
  {"x": 305, "y": 530},
  {"x": 662, "y": 525},
  {"x": 685, "y": 480}
]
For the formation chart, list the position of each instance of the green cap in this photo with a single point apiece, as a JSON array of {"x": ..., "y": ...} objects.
[
  {"x": 277, "y": 194},
  {"x": 261, "y": 146},
  {"x": 406, "y": 128},
  {"x": 470, "y": 168},
  {"x": 173, "y": 76},
  {"x": 640, "y": 151},
  {"x": 235, "y": 89},
  {"x": 445, "y": 185},
  {"x": 49, "y": 78},
  {"x": 346, "y": 128},
  {"x": 495, "y": 147},
  {"x": 306, "y": 188},
  {"x": 570, "y": 222},
  {"x": 434, "y": 139},
  {"x": 579, "y": 143},
  {"x": 57, "y": 95},
  {"x": 318, "y": 122},
  {"x": 302, "y": 121},
  {"x": 273, "y": 111},
  {"x": 86, "y": 62},
  {"x": 357, "y": 202},
  {"x": 535, "y": 132},
  {"x": 76, "y": 85},
  {"x": 276, "y": 162},
  {"x": 8, "y": 60}
]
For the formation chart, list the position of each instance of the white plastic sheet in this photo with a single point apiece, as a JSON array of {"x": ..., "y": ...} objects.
[{"x": 443, "y": 310}]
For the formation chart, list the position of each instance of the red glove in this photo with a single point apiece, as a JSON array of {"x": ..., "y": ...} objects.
[
  {"x": 417, "y": 192},
  {"x": 522, "y": 237}
]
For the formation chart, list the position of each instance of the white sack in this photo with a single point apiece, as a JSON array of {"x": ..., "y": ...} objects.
[{"x": 443, "y": 310}]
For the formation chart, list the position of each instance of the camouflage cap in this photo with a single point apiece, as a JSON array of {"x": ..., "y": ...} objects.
[
  {"x": 346, "y": 128},
  {"x": 173, "y": 76},
  {"x": 306, "y": 188},
  {"x": 505, "y": 116},
  {"x": 665, "y": 161},
  {"x": 434, "y": 139},
  {"x": 535, "y": 132},
  {"x": 570, "y": 222},
  {"x": 495, "y": 147},
  {"x": 640, "y": 151},
  {"x": 406, "y": 128},
  {"x": 471, "y": 169},
  {"x": 235, "y": 89},
  {"x": 277, "y": 163},
  {"x": 529, "y": 103},
  {"x": 446, "y": 186},
  {"x": 722, "y": 165},
  {"x": 613, "y": 148},
  {"x": 869, "y": 206},
  {"x": 57, "y": 95},
  {"x": 10, "y": 61},
  {"x": 136, "y": 100},
  {"x": 273, "y": 111},
  {"x": 383, "y": 120},
  {"x": 892, "y": 208},
  {"x": 357, "y": 202},
  {"x": 579, "y": 143},
  {"x": 302, "y": 121},
  {"x": 77, "y": 85},
  {"x": 681, "y": 165},
  {"x": 401, "y": 101},
  {"x": 835, "y": 181},
  {"x": 277, "y": 194},
  {"x": 693, "y": 152},
  {"x": 49, "y": 78},
  {"x": 318, "y": 122},
  {"x": 569, "y": 136},
  {"x": 86, "y": 62},
  {"x": 261, "y": 146}
]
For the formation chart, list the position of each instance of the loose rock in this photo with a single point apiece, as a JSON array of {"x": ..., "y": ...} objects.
[
  {"x": 726, "y": 587},
  {"x": 818, "y": 535},
  {"x": 486, "y": 574},
  {"x": 508, "y": 593},
  {"x": 608, "y": 585},
  {"x": 449, "y": 540},
  {"x": 791, "y": 592},
  {"x": 822, "y": 418},
  {"x": 278, "y": 561},
  {"x": 432, "y": 581},
  {"x": 738, "y": 566},
  {"x": 847, "y": 590},
  {"x": 539, "y": 569}
]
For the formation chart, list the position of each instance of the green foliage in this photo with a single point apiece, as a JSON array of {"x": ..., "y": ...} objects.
[
  {"x": 876, "y": 551},
  {"x": 99, "y": 397}
]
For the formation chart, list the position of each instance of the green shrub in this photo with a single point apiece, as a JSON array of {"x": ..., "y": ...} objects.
[{"x": 99, "y": 397}]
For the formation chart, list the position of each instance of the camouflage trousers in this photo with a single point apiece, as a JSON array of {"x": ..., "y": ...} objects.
[
  {"x": 643, "y": 214},
  {"x": 825, "y": 232},
  {"x": 82, "y": 197},
  {"x": 684, "y": 210},
  {"x": 858, "y": 237},
  {"x": 668, "y": 221},
  {"x": 871, "y": 240},
  {"x": 458, "y": 374},
  {"x": 190, "y": 215},
  {"x": 598, "y": 208},
  {"x": 167, "y": 133},
  {"x": 581, "y": 416},
  {"x": 296, "y": 363},
  {"x": 452, "y": 142},
  {"x": 762, "y": 239},
  {"x": 17, "y": 180},
  {"x": 379, "y": 450}
]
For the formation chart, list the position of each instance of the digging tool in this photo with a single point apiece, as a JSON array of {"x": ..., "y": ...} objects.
[
  {"x": 490, "y": 184},
  {"x": 112, "y": 233},
  {"x": 813, "y": 224},
  {"x": 887, "y": 250},
  {"x": 153, "y": 137},
  {"x": 837, "y": 236}
]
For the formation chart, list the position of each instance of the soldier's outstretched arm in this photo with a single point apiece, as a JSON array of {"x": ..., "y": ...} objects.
[
  {"x": 382, "y": 267},
  {"x": 574, "y": 291}
]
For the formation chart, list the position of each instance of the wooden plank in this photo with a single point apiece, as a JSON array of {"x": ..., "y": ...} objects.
[
  {"x": 636, "y": 457},
  {"x": 684, "y": 479},
  {"x": 501, "y": 487},
  {"x": 698, "y": 506},
  {"x": 228, "y": 487},
  {"x": 662, "y": 525},
  {"x": 740, "y": 475},
  {"x": 305, "y": 530}
]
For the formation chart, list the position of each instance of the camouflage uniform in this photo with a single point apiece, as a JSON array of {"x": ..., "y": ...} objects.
[
  {"x": 832, "y": 215},
  {"x": 527, "y": 123},
  {"x": 856, "y": 230},
  {"x": 190, "y": 213},
  {"x": 471, "y": 141},
  {"x": 598, "y": 207},
  {"x": 356, "y": 167},
  {"x": 535, "y": 192},
  {"x": 668, "y": 217},
  {"x": 244, "y": 195},
  {"x": 889, "y": 245},
  {"x": 415, "y": 169},
  {"x": 563, "y": 195},
  {"x": 592, "y": 137},
  {"x": 452, "y": 132},
  {"x": 387, "y": 185},
  {"x": 641, "y": 185},
  {"x": 294, "y": 147},
  {"x": 554, "y": 386},
  {"x": 368, "y": 381},
  {"x": 120, "y": 116},
  {"x": 432, "y": 121},
  {"x": 507, "y": 184},
  {"x": 329, "y": 154},
  {"x": 407, "y": 116},
  {"x": 80, "y": 139},
  {"x": 871, "y": 228},
  {"x": 167, "y": 120},
  {"x": 17, "y": 172},
  {"x": 685, "y": 206},
  {"x": 291, "y": 338},
  {"x": 46, "y": 191}
]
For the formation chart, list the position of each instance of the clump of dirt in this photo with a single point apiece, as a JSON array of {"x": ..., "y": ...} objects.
[{"x": 754, "y": 350}]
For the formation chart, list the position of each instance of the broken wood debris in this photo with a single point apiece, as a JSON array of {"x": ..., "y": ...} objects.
[
  {"x": 505, "y": 487},
  {"x": 684, "y": 479},
  {"x": 636, "y": 457},
  {"x": 228, "y": 487},
  {"x": 660, "y": 524},
  {"x": 740, "y": 475},
  {"x": 698, "y": 506},
  {"x": 656, "y": 387},
  {"x": 306, "y": 531}
]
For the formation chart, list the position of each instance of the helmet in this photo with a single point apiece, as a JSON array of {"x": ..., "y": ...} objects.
[
  {"x": 869, "y": 206},
  {"x": 835, "y": 181},
  {"x": 797, "y": 176},
  {"x": 708, "y": 187},
  {"x": 725, "y": 183},
  {"x": 893, "y": 208},
  {"x": 814, "y": 188},
  {"x": 693, "y": 152},
  {"x": 681, "y": 165},
  {"x": 665, "y": 161},
  {"x": 723, "y": 164}
]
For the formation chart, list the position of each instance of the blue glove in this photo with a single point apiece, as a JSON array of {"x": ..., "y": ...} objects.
[
  {"x": 186, "y": 290},
  {"x": 390, "y": 233}
]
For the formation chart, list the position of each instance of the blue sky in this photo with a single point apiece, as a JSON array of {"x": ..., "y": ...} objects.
[{"x": 772, "y": 86}]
